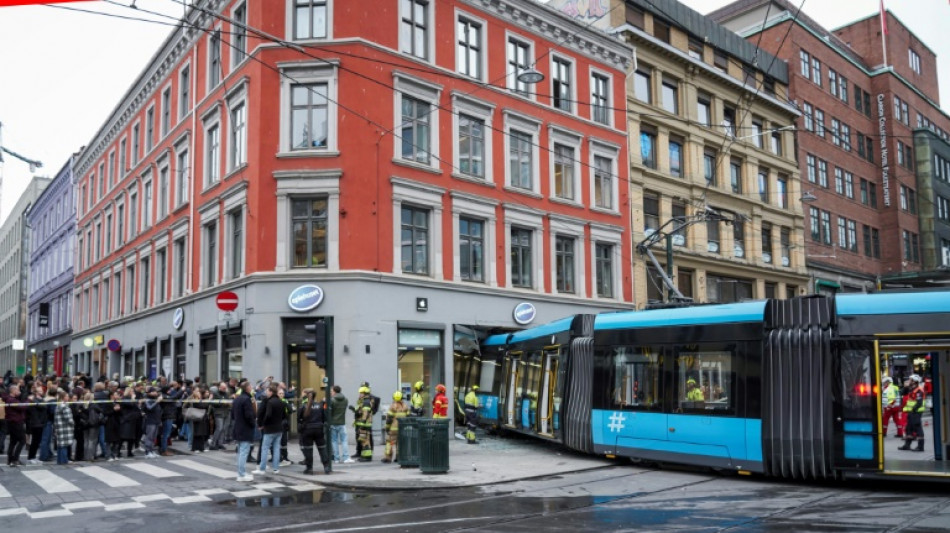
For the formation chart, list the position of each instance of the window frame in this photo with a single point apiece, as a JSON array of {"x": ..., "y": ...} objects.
[
  {"x": 471, "y": 207},
  {"x": 521, "y": 218},
  {"x": 601, "y": 108},
  {"x": 418, "y": 196},
  {"x": 428, "y": 93},
  {"x": 478, "y": 49},
  {"x": 484, "y": 112},
  {"x": 612, "y": 236},
  {"x": 563, "y": 65},
  {"x": 308, "y": 73},
  {"x": 513, "y": 67},
  {"x": 291, "y": 22},
  {"x": 427, "y": 26},
  {"x": 602, "y": 149},
  {"x": 558, "y": 136}
]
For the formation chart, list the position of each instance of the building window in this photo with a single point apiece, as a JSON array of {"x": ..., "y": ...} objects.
[
  {"x": 184, "y": 92},
  {"x": 471, "y": 249},
  {"x": 823, "y": 173},
  {"x": 781, "y": 186},
  {"x": 519, "y": 60},
  {"x": 238, "y": 144},
  {"x": 944, "y": 252},
  {"x": 308, "y": 116},
  {"x": 145, "y": 282},
  {"x": 679, "y": 216},
  {"x": 839, "y": 180},
  {"x": 469, "y": 58},
  {"x": 704, "y": 110},
  {"x": 805, "y": 63},
  {"x": 661, "y": 30},
  {"x": 563, "y": 172},
  {"x": 130, "y": 289},
  {"x": 415, "y": 240},
  {"x": 414, "y": 27},
  {"x": 835, "y": 132},
  {"x": 181, "y": 178},
  {"x": 648, "y": 147},
  {"x": 161, "y": 274},
  {"x": 785, "y": 236},
  {"x": 149, "y": 130},
  {"x": 820, "y": 123},
  {"x": 239, "y": 34},
  {"x": 133, "y": 214},
  {"x": 108, "y": 233},
  {"x": 604, "y": 259},
  {"x": 843, "y": 89},
  {"x": 520, "y": 146},
  {"x": 309, "y": 218},
  {"x": 695, "y": 48},
  {"x": 816, "y": 71},
  {"x": 814, "y": 224},
  {"x": 471, "y": 146},
  {"x": 415, "y": 129},
  {"x": 521, "y": 257},
  {"x": 833, "y": 82},
  {"x": 603, "y": 182},
  {"x": 914, "y": 60},
  {"x": 826, "y": 227},
  {"x": 764, "y": 186},
  {"x": 712, "y": 235},
  {"x": 807, "y": 112},
  {"x": 120, "y": 225},
  {"x": 738, "y": 239},
  {"x": 777, "y": 143},
  {"x": 709, "y": 167},
  {"x": 166, "y": 111},
  {"x": 561, "y": 83},
  {"x": 214, "y": 60},
  {"x": 676, "y": 157},
  {"x": 670, "y": 96},
  {"x": 564, "y": 253},
  {"x": 908, "y": 198},
  {"x": 642, "y": 85},
  {"x": 845, "y": 136},
  {"x": 123, "y": 167},
  {"x": 766, "y": 242},
  {"x": 651, "y": 213},
  {"x": 600, "y": 99},
  {"x": 852, "y": 236},
  {"x": 849, "y": 184},
  {"x": 135, "y": 144},
  {"x": 163, "y": 192},
  {"x": 212, "y": 155},
  {"x": 147, "y": 205},
  {"x": 211, "y": 253},
  {"x": 757, "y": 133},
  {"x": 237, "y": 242},
  {"x": 179, "y": 267},
  {"x": 729, "y": 121},
  {"x": 310, "y": 19},
  {"x": 720, "y": 61},
  {"x": 735, "y": 176}
]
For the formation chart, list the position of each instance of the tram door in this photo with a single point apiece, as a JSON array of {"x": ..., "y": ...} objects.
[
  {"x": 547, "y": 403},
  {"x": 512, "y": 392}
]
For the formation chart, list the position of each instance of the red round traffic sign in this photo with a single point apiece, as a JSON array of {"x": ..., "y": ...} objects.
[{"x": 227, "y": 301}]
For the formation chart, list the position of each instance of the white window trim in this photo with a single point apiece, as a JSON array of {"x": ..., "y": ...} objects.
[
  {"x": 483, "y": 56},
  {"x": 234, "y": 202},
  {"x": 515, "y": 120},
  {"x": 156, "y": 125},
  {"x": 532, "y": 95},
  {"x": 160, "y": 298},
  {"x": 611, "y": 151},
  {"x": 171, "y": 116},
  {"x": 232, "y": 37},
  {"x": 208, "y": 215},
  {"x": 303, "y": 73},
  {"x": 426, "y": 91},
  {"x": 573, "y": 80},
  {"x": 237, "y": 97},
  {"x": 222, "y": 74},
  {"x": 144, "y": 222},
  {"x": 289, "y": 23},
  {"x": 427, "y": 197},
  {"x": 180, "y": 232},
  {"x": 462, "y": 103},
  {"x": 520, "y": 216},
  {"x": 182, "y": 145},
  {"x": 307, "y": 183},
  {"x": 562, "y": 226},
  {"x": 182, "y": 110},
  {"x": 467, "y": 205},
  {"x": 610, "y": 96},
  {"x": 430, "y": 31},
  {"x": 164, "y": 164},
  {"x": 612, "y": 235},
  {"x": 209, "y": 121},
  {"x": 144, "y": 289},
  {"x": 559, "y": 135}
]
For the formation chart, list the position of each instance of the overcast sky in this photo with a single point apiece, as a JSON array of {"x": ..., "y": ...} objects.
[{"x": 62, "y": 72}]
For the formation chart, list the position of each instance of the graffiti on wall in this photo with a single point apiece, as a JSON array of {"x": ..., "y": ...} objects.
[{"x": 585, "y": 11}]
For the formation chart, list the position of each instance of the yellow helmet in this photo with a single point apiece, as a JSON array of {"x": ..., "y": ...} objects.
[
  {"x": 475, "y": 387},
  {"x": 364, "y": 390},
  {"x": 419, "y": 385},
  {"x": 690, "y": 381},
  {"x": 397, "y": 396}
]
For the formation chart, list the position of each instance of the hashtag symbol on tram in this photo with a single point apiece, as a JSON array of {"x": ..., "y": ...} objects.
[{"x": 616, "y": 422}]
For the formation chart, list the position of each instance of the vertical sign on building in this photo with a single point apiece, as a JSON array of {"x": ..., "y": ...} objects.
[
  {"x": 44, "y": 315},
  {"x": 882, "y": 131}
]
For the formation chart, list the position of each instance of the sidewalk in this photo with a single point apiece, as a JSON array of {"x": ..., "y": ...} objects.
[{"x": 492, "y": 460}]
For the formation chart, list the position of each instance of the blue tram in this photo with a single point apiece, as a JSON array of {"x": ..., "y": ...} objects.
[{"x": 786, "y": 388}]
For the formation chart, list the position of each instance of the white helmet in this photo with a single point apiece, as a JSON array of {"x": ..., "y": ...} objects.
[
  {"x": 915, "y": 377},
  {"x": 887, "y": 379}
]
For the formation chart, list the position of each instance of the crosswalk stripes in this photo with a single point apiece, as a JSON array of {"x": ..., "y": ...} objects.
[
  {"x": 201, "y": 467},
  {"x": 4, "y": 493},
  {"x": 113, "y": 479},
  {"x": 152, "y": 470},
  {"x": 50, "y": 482}
]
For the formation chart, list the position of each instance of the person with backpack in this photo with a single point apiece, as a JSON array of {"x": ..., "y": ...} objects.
[
  {"x": 364, "y": 425},
  {"x": 374, "y": 407},
  {"x": 311, "y": 419}
]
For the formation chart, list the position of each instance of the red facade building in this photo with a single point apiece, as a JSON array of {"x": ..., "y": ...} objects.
[{"x": 374, "y": 166}]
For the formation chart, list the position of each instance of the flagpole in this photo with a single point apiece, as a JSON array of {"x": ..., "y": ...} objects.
[{"x": 884, "y": 32}]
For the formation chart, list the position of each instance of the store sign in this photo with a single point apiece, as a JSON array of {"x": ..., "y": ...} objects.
[
  {"x": 882, "y": 132},
  {"x": 524, "y": 313},
  {"x": 305, "y": 297},
  {"x": 178, "y": 318}
]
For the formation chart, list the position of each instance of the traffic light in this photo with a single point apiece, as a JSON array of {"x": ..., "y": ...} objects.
[{"x": 319, "y": 354}]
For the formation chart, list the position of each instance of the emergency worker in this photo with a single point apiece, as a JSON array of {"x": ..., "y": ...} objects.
[
  {"x": 418, "y": 402},
  {"x": 693, "y": 392},
  {"x": 471, "y": 414},
  {"x": 311, "y": 419},
  {"x": 915, "y": 411},
  {"x": 440, "y": 405},
  {"x": 891, "y": 406},
  {"x": 364, "y": 424},
  {"x": 397, "y": 410}
]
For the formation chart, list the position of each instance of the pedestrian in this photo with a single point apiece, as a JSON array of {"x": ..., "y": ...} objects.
[
  {"x": 289, "y": 410},
  {"x": 440, "y": 405},
  {"x": 311, "y": 421},
  {"x": 471, "y": 414},
  {"x": 891, "y": 406},
  {"x": 130, "y": 418},
  {"x": 221, "y": 408},
  {"x": 243, "y": 417},
  {"x": 113, "y": 427},
  {"x": 915, "y": 410},
  {"x": 397, "y": 410},
  {"x": 80, "y": 420},
  {"x": 338, "y": 436},
  {"x": 364, "y": 425},
  {"x": 36, "y": 418},
  {"x": 63, "y": 427},
  {"x": 152, "y": 414},
  {"x": 15, "y": 418},
  {"x": 101, "y": 397},
  {"x": 171, "y": 394},
  {"x": 91, "y": 425},
  {"x": 197, "y": 413},
  {"x": 270, "y": 420}
]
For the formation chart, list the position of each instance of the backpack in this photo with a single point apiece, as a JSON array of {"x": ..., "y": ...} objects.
[
  {"x": 374, "y": 403},
  {"x": 95, "y": 418}
]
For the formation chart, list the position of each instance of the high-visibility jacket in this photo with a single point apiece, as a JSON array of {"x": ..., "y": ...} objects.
[
  {"x": 915, "y": 401},
  {"x": 396, "y": 411},
  {"x": 440, "y": 406},
  {"x": 695, "y": 395},
  {"x": 364, "y": 415},
  {"x": 418, "y": 404},
  {"x": 891, "y": 396},
  {"x": 471, "y": 399}
]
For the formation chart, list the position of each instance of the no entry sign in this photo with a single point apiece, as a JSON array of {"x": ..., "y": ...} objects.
[{"x": 227, "y": 301}]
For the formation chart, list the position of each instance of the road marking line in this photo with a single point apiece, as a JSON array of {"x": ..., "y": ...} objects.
[
  {"x": 152, "y": 470},
  {"x": 124, "y": 506},
  {"x": 250, "y": 493},
  {"x": 151, "y": 498},
  {"x": 268, "y": 486},
  {"x": 191, "y": 499},
  {"x": 110, "y": 478},
  {"x": 4, "y": 493},
  {"x": 307, "y": 487},
  {"x": 210, "y": 492},
  {"x": 50, "y": 482},
  {"x": 51, "y": 514},
  {"x": 83, "y": 505},
  {"x": 206, "y": 469},
  {"x": 14, "y": 511}
]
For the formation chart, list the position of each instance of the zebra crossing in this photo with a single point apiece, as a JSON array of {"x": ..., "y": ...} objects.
[{"x": 124, "y": 486}]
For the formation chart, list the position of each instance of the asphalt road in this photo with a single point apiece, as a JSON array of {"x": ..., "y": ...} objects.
[{"x": 195, "y": 495}]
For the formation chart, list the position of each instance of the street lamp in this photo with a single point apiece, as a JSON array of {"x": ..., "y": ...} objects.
[
  {"x": 530, "y": 75},
  {"x": 808, "y": 197}
]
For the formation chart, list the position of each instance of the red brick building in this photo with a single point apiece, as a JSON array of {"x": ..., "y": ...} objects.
[
  {"x": 373, "y": 166},
  {"x": 872, "y": 145}
]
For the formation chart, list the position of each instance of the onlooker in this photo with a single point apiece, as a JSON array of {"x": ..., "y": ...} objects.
[
  {"x": 338, "y": 437},
  {"x": 222, "y": 415},
  {"x": 171, "y": 394},
  {"x": 90, "y": 432},
  {"x": 152, "y": 409},
  {"x": 36, "y": 418},
  {"x": 101, "y": 397},
  {"x": 200, "y": 427},
  {"x": 16, "y": 415},
  {"x": 63, "y": 428},
  {"x": 270, "y": 420}
]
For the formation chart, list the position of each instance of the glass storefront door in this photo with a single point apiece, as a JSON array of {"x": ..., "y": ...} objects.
[{"x": 419, "y": 359}]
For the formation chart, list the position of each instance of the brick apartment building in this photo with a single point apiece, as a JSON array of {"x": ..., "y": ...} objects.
[
  {"x": 709, "y": 130},
  {"x": 384, "y": 172},
  {"x": 872, "y": 143}
]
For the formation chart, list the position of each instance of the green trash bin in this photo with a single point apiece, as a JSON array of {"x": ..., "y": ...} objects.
[
  {"x": 434, "y": 452},
  {"x": 407, "y": 453}
]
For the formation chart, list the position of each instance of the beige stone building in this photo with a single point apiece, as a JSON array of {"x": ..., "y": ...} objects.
[{"x": 710, "y": 131}]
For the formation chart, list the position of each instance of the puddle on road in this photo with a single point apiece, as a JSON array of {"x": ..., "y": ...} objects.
[{"x": 296, "y": 498}]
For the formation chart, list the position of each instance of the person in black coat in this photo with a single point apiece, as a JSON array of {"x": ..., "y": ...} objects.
[
  {"x": 112, "y": 426},
  {"x": 201, "y": 429},
  {"x": 270, "y": 420},
  {"x": 243, "y": 419},
  {"x": 129, "y": 421},
  {"x": 311, "y": 421}
]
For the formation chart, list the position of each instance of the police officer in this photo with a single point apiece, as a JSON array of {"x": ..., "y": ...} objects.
[
  {"x": 397, "y": 410},
  {"x": 364, "y": 424},
  {"x": 471, "y": 414},
  {"x": 440, "y": 405},
  {"x": 311, "y": 419},
  {"x": 914, "y": 408},
  {"x": 418, "y": 402}
]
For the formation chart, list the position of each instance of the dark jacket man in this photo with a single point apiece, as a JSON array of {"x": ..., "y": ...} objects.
[
  {"x": 270, "y": 415},
  {"x": 242, "y": 413}
]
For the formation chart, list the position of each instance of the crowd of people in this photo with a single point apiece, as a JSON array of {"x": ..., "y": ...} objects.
[{"x": 73, "y": 419}]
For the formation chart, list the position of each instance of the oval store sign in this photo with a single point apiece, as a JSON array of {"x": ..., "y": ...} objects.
[
  {"x": 524, "y": 313},
  {"x": 179, "y": 318},
  {"x": 304, "y": 298}
]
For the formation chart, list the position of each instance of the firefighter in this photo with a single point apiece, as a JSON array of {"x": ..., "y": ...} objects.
[
  {"x": 418, "y": 402},
  {"x": 471, "y": 414},
  {"x": 364, "y": 424},
  {"x": 311, "y": 419},
  {"x": 397, "y": 410},
  {"x": 693, "y": 392},
  {"x": 891, "y": 405},
  {"x": 440, "y": 405},
  {"x": 915, "y": 410}
]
